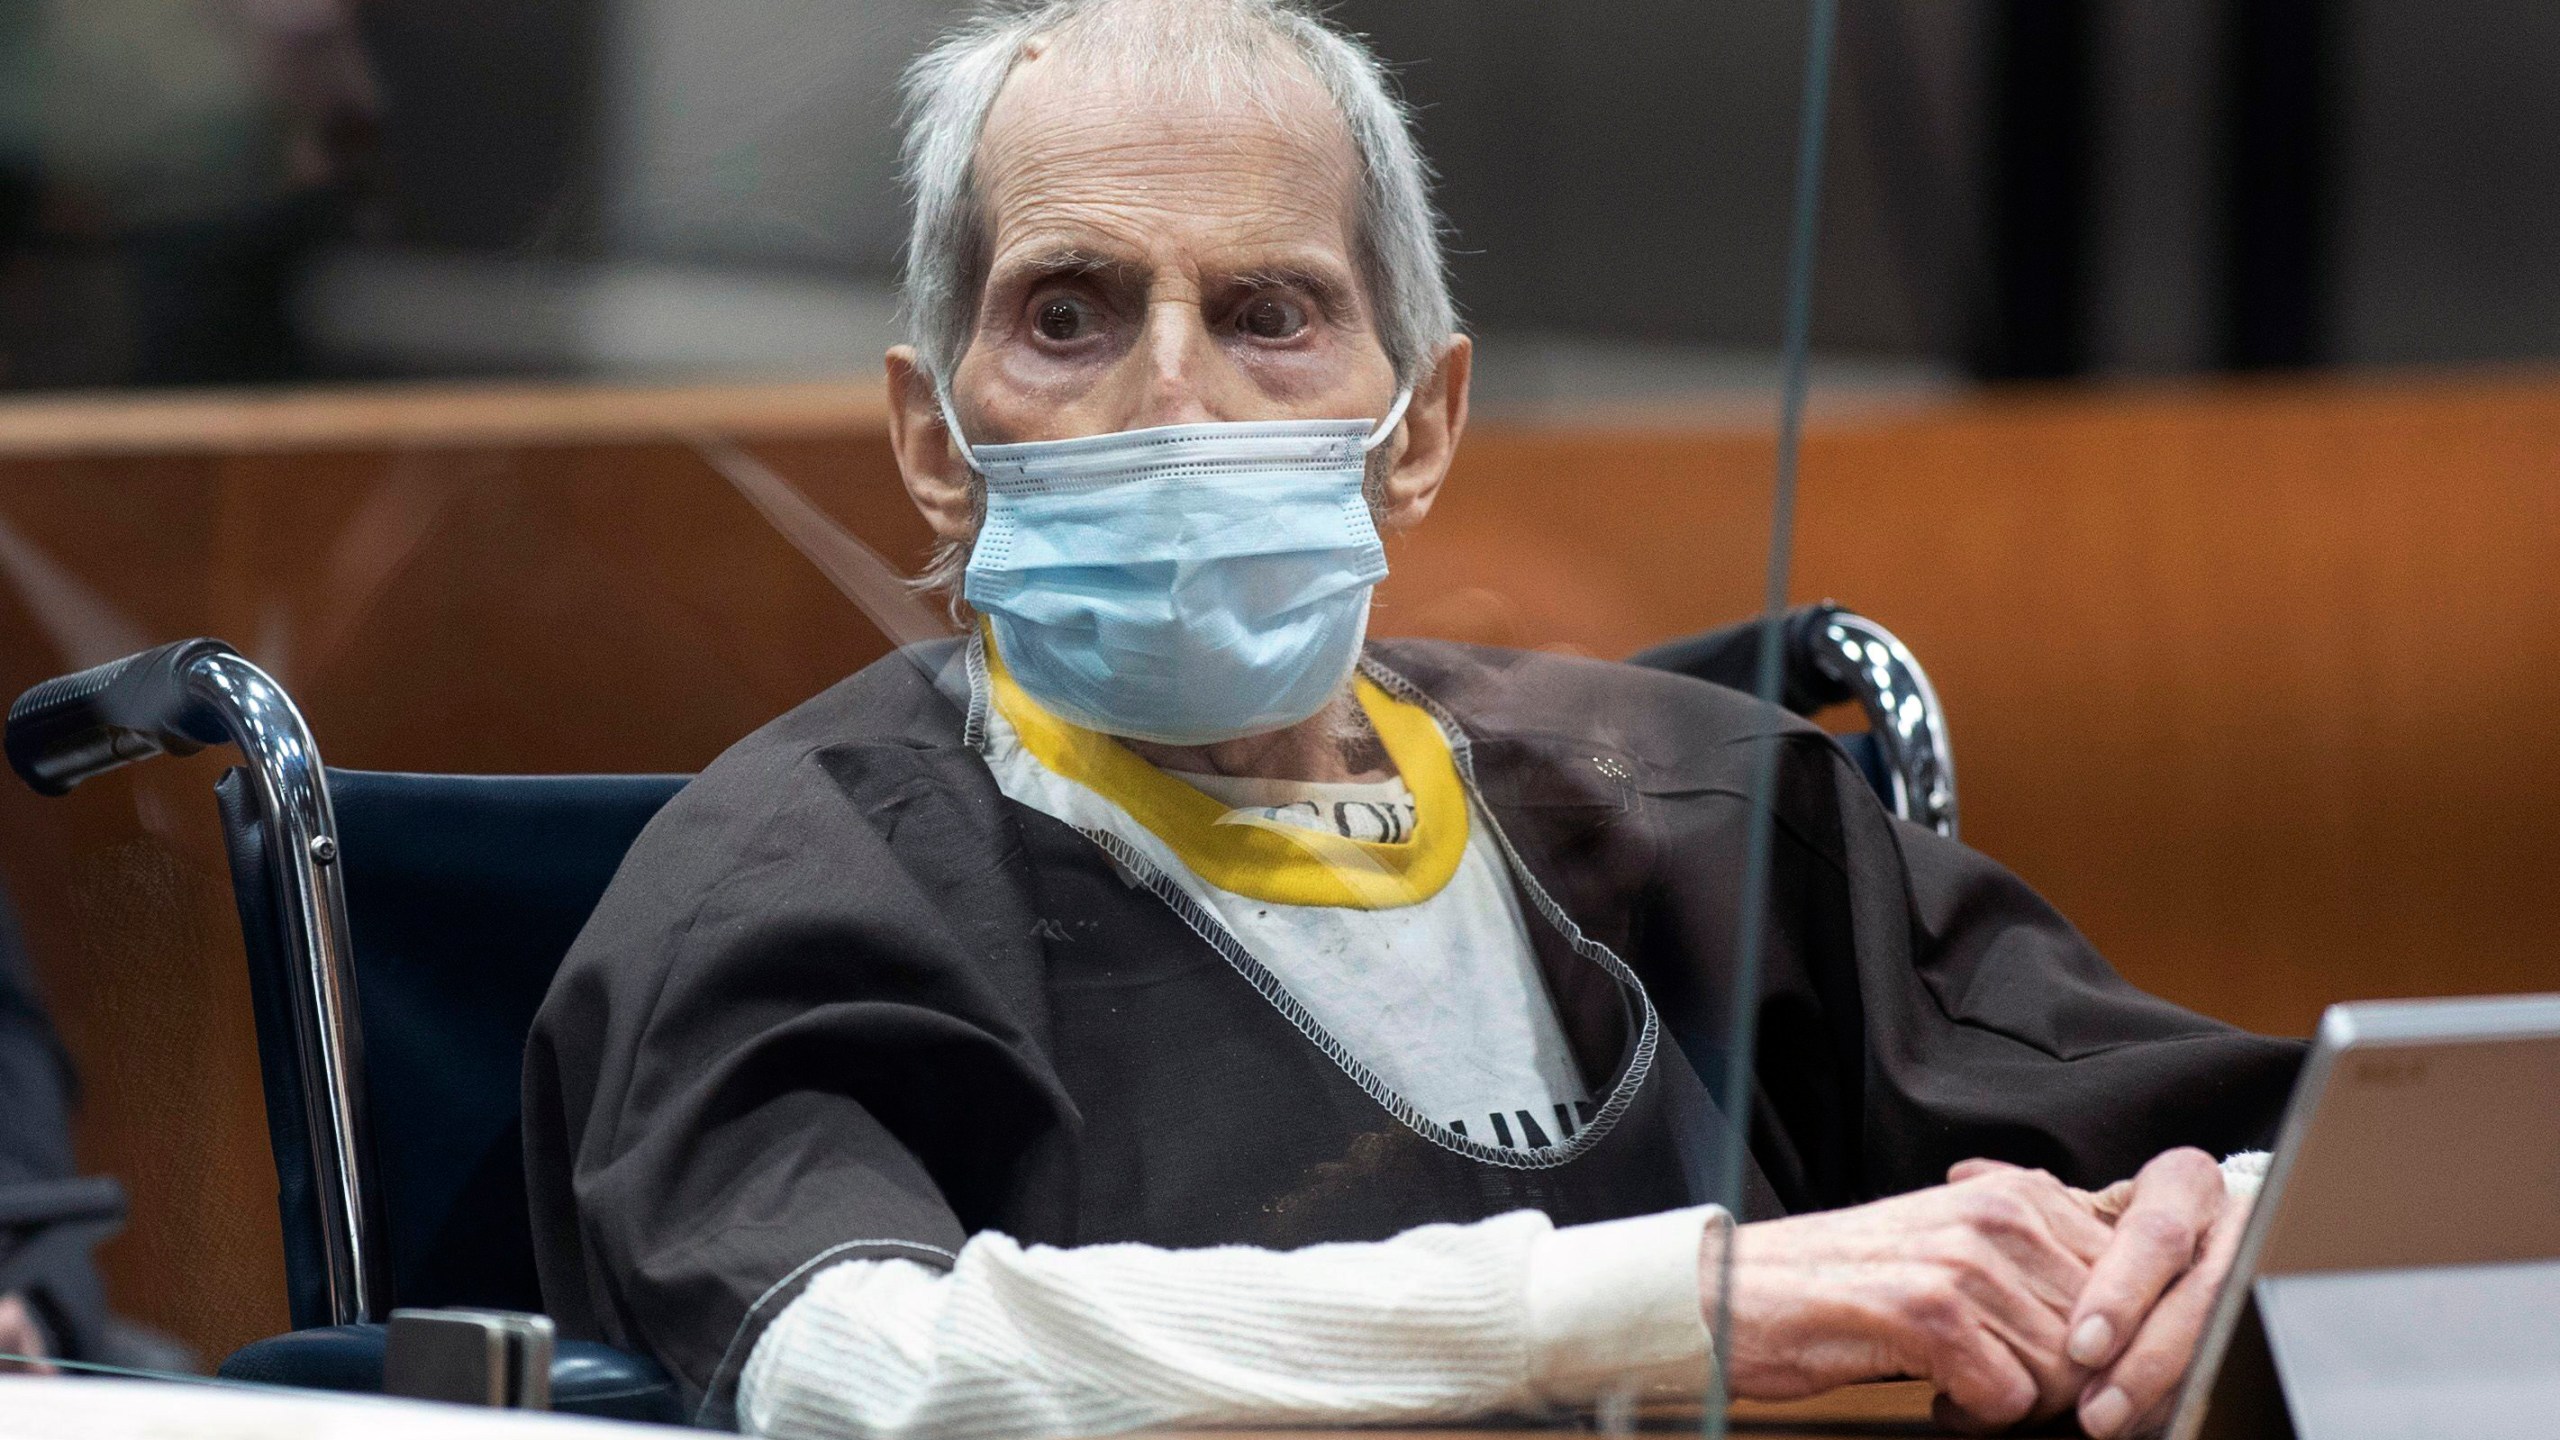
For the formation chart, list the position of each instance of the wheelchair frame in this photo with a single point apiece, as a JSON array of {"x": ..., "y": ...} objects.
[
  {"x": 1902, "y": 713},
  {"x": 177, "y": 699}
]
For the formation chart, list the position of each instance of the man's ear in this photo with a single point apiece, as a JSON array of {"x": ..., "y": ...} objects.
[
  {"x": 929, "y": 463},
  {"x": 1432, "y": 425}
]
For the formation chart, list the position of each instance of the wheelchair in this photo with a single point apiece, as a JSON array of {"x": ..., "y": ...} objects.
[{"x": 402, "y": 929}]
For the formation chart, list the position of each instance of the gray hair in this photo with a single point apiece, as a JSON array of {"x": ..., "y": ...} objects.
[{"x": 1197, "y": 43}]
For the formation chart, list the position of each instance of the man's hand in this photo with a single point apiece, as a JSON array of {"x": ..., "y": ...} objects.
[
  {"x": 2150, "y": 1294},
  {"x": 1971, "y": 1286},
  {"x": 21, "y": 1335}
]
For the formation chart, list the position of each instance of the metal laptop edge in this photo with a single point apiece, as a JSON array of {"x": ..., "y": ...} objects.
[{"x": 2363, "y": 1025}]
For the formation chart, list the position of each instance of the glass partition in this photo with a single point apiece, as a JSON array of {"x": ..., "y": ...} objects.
[{"x": 653, "y": 500}]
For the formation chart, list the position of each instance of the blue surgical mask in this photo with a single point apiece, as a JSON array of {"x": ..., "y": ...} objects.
[{"x": 1184, "y": 584}]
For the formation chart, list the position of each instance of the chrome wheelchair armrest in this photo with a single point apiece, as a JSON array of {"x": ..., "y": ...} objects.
[
  {"x": 1830, "y": 655},
  {"x": 1903, "y": 713},
  {"x": 177, "y": 699}
]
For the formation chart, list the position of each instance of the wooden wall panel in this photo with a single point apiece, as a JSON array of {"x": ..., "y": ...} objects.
[{"x": 2254, "y": 682}]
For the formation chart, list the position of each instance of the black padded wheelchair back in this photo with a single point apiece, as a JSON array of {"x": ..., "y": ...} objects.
[{"x": 463, "y": 894}]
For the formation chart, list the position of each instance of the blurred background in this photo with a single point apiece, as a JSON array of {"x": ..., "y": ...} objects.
[
  {"x": 223, "y": 191},
  {"x": 2185, "y": 395}
]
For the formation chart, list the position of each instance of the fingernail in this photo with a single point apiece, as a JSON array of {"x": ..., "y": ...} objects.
[
  {"x": 2105, "y": 1414},
  {"x": 2091, "y": 1339}
]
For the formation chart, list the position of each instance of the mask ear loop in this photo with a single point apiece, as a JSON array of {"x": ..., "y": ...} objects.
[
  {"x": 951, "y": 422},
  {"x": 1386, "y": 427}
]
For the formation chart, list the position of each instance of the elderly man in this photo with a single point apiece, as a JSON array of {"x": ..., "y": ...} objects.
[{"x": 1170, "y": 1006}]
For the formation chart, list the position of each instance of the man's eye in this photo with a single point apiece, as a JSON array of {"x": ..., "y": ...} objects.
[
  {"x": 1062, "y": 318},
  {"x": 1272, "y": 317}
]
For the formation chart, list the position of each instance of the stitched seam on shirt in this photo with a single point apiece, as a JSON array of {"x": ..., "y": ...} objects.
[
  {"x": 1269, "y": 986},
  {"x": 1462, "y": 750},
  {"x": 712, "y": 1386},
  {"x": 974, "y": 733}
]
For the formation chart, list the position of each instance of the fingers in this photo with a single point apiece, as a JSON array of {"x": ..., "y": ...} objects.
[
  {"x": 1973, "y": 1285},
  {"x": 2070, "y": 1221},
  {"x": 1953, "y": 1418},
  {"x": 1963, "y": 1285},
  {"x": 2130, "y": 1272},
  {"x": 1983, "y": 1377},
  {"x": 2174, "y": 1203},
  {"x": 2020, "y": 1258},
  {"x": 2068, "y": 1216},
  {"x": 2134, "y": 1395}
]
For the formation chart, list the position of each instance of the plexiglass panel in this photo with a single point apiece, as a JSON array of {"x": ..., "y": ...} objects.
[{"x": 1246, "y": 763}]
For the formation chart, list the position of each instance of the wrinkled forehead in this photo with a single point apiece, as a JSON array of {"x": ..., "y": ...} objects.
[{"x": 1184, "y": 164}]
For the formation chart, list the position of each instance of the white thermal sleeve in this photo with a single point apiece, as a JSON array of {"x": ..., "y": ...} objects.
[
  {"x": 1440, "y": 1322},
  {"x": 2244, "y": 1172}
]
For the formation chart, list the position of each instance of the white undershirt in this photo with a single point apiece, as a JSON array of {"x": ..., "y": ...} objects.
[{"x": 1440, "y": 999}]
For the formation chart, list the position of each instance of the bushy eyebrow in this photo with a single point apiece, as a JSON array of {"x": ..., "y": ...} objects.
[
  {"x": 1330, "y": 294},
  {"x": 1069, "y": 263}
]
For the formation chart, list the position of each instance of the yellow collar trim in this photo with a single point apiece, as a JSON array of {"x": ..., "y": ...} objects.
[{"x": 1282, "y": 864}]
